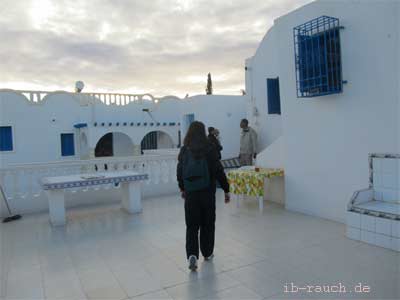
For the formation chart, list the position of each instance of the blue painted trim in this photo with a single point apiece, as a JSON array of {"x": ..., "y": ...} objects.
[
  {"x": 317, "y": 50},
  {"x": 80, "y": 125},
  {"x": 6, "y": 138},
  {"x": 92, "y": 182},
  {"x": 67, "y": 144},
  {"x": 273, "y": 95}
]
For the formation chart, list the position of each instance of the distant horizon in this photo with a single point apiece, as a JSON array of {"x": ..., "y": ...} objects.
[{"x": 160, "y": 47}]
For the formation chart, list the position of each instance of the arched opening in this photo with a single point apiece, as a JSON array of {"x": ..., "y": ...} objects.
[
  {"x": 156, "y": 140},
  {"x": 104, "y": 146},
  {"x": 114, "y": 144}
]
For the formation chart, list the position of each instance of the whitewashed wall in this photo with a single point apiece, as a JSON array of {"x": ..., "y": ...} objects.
[
  {"x": 222, "y": 112},
  {"x": 327, "y": 139},
  {"x": 37, "y": 126},
  {"x": 122, "y": 145},
  {"x": 264, "y": 64}
]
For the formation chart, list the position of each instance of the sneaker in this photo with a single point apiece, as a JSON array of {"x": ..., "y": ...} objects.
[
  {"x": 192, "y": 262},
  {"x": 209, "y": 257}
]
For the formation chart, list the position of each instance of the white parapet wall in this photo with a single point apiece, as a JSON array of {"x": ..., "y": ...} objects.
[{"x": 25, "y": 195}]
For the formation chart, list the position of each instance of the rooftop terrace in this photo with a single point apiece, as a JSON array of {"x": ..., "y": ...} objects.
[{"x": 104, "y": 253}]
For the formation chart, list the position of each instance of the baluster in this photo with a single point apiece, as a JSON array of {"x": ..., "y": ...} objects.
[
  {"x": 164, "y": 171},
  {"x": 145, "y": 168},
  {"x": 157, "y": 171},
  {"x": 15, "y": 185},
  {"x": 36, "y": 177},
  {"x": 29, "y": 178}
]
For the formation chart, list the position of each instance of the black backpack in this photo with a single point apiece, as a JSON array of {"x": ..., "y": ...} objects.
[{"x": 195, "y": 172}]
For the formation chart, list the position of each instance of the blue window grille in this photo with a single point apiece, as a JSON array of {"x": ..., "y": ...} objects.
[
  {"x": 6, "y": 139},
  {"x": 67, "y": 144},
  {"x": 149, "y": 141},
  {"x": 274, "y": 99},
  {"x": 317, "y": 57}
]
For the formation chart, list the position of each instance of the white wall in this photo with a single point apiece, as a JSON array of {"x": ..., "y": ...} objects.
[
  {"x": 37, "y": 126},
  {"x": 327, "y": 139},
  {"x": 264, "y": 64},
  {"x": 164, "y": 141},
  {"x": 272, "y": 156},
  {"x": 222, "y": 112},
  {"x": 122, "y": 145}
]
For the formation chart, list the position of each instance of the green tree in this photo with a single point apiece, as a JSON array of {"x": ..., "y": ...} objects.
[{"x": 209, "y": 89}]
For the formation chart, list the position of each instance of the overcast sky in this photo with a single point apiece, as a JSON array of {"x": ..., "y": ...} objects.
[{"x": 162, "y": 47}]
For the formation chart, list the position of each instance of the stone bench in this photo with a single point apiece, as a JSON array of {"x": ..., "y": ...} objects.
[{"x": 373, "y": 214}]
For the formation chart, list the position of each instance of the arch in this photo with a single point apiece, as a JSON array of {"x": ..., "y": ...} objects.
[
  {"x": 114, "y": 144},
  {"x": 157, "y": 139}
]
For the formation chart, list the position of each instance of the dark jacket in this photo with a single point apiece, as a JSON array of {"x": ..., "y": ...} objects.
[
  {"x": 215, "y": 169},
  {"x": 215, "y": 142}
]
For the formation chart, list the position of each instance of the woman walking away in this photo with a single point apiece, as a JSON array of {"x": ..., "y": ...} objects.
[{"x": 197, "y": 172}]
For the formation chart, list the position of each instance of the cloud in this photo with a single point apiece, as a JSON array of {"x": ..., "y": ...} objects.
[{"x": 160, "y": 46}]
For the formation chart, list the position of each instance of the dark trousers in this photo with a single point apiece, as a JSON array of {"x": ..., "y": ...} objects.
[{"x": 200, "y": 216}]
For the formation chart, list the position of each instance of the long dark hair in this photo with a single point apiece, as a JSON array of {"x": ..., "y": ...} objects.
[{"x": 196, "y": 138}]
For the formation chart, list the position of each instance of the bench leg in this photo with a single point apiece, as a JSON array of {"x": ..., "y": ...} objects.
[
  {"x": 260, "y": 203},
  {"x": 237, "y": 200},
  {"x": 56, "y": 207},
  {"x": 132, "y": 197}
]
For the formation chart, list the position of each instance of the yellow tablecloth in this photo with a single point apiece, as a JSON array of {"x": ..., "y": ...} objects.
[{"x": 250, "y": 182}]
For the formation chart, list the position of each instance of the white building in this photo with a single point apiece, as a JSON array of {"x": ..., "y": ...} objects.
[
  {"x": 323, "y": 92},
  {"x": 64, "y": 130},
  {"x": 325, "y": 140}
]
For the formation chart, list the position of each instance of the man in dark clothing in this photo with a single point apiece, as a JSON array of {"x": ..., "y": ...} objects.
[
  {"x": 213, "y": 138},
  {"x": 200, "y": 204}
]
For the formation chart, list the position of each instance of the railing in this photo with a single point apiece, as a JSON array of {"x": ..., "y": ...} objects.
[
  {"x": 167, "y": 151},
  {"x": 106, "y": 98},
  {"x": 22, "y": 182}
]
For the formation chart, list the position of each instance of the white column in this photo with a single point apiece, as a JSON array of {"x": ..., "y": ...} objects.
[
  {"x": 132, "y": 196},
  {"x": 56, "y": 207}
]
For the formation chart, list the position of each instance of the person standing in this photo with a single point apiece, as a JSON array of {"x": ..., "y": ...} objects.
[
  {"x": 198, "y": 170},
  {"x": 248, "y": 144},
  {"x": 213, "y": 134}
]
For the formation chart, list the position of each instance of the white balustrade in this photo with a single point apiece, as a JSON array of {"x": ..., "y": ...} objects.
[
  {"x": 106, "y": 98},
  {"x": 22, "y": 182}
]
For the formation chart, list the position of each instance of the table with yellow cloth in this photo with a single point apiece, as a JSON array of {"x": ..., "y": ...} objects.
[{"x": 250, "y": 182}]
